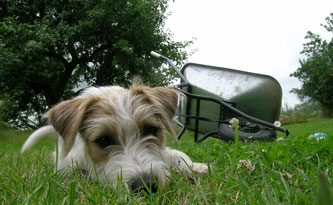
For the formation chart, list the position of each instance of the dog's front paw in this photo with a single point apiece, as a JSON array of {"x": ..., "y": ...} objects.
[
  {"x": 200, "y": 168},
  {"x": 180, "y": 162}
]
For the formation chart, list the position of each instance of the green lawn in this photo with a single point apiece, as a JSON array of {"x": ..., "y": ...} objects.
[{"x": 286, "y": 172}]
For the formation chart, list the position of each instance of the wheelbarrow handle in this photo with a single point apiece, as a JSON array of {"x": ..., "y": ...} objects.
[{"x": 157, "y": 55}]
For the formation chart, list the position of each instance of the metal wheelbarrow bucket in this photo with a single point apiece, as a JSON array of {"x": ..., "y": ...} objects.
[{"x": 212, "y": 96}]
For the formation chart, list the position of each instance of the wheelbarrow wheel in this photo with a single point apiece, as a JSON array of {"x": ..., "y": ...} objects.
[{"x": 228, "y": 134}]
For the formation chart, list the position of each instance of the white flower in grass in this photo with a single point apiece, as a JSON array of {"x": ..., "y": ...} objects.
[
  {"x": 277, "y": 124},
  {"x": 246, "y": 164},
  {"x": 280, "y": 139},
  {"x": 234, "y": 123},
  {"x": 264, "y": 151},
  {"x": 234, "y": 120},
  {"x": 287, "y": 176}
]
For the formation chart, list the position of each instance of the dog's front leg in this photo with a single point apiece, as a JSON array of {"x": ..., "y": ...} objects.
[{"x": 179, "y": 161}]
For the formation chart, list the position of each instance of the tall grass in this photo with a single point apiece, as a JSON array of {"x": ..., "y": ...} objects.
[{"x": 295, "y": 170}]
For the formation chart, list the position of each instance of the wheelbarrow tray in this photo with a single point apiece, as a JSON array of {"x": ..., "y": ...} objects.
[{"x": 254, "y": 94}]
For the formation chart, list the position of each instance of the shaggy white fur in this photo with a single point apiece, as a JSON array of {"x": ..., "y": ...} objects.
[{"x": 117, "y": 132}]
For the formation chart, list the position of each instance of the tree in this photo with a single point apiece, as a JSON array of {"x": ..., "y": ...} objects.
[
  {"x": 316, "y": 71},
  {"x": 49, "y": 47}
]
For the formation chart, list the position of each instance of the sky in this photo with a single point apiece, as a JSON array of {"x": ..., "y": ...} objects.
[{"x": 260, "y": 36}]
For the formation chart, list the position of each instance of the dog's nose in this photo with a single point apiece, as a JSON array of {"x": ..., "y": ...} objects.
[{"x": 141, "y": 183}]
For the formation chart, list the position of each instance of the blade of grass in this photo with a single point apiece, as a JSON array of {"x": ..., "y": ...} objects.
[
  {"x": 72, "y": 193},
  {"x": 233, "y": 159},
  {"x": 267, "y": 191},
  {"x": 244, "y": 187},
  {"x": 310, "y": 182},
  {"x": 286, "y": 187},
  {"x": 324, "y": 194}
]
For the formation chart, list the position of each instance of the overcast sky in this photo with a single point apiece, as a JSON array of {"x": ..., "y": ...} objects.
[{"x": 260, "y": 36}]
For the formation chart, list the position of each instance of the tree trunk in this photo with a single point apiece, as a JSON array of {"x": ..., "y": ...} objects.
[
  {"x": 105, "y": 76},
  {"x": 53, "y": 93}
]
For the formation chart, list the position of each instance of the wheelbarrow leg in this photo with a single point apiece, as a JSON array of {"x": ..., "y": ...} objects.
[
  {"x": 180, "y": 134},
  {"x": 196, "y": 128}
]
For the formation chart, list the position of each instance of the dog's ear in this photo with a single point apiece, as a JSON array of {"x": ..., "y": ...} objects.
[
  {"x": 168, "y": 99},
  {"x": 66, "y": 118}
]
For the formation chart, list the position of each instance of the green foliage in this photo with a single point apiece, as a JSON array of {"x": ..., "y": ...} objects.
[
  {"x": 4, "y": 125},
  {"x": 316, "y": 71},
  {"x": 47, "y": 48},
  {"x": 304, "y": 112},
  {"x": 293, "y": 171}
]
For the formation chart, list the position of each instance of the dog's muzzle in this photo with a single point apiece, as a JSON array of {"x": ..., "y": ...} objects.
[{"x": 147, "y": 183}]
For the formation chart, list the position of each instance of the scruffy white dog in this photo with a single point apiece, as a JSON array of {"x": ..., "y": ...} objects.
[{"x": 118, "y": 133}]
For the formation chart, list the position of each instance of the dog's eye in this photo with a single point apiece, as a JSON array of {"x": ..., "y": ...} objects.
[
  {"x": 150, "y": 130},
  {"x": 105, "y": 141}
]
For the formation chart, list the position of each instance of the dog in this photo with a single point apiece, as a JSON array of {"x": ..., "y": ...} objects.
[{"x": 116, "y": 133}]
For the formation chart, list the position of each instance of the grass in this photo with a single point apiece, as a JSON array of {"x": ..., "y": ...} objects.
[{"x": 287, "y": 172}]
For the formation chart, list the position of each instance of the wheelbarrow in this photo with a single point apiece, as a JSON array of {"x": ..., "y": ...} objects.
[{"x": 212, "y": 96}]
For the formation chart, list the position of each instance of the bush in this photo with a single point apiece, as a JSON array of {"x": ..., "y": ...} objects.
[
  {"x": 301, "y": 113},
  {"x": 4, "y": 125}
]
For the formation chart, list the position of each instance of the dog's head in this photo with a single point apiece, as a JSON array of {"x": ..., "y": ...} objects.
[{"x": 121, "y": 129}]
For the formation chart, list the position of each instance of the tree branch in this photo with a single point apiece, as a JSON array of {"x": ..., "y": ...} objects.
[
  {"x": 57, "y": 57},
  {"x": 88, "y": 58},
  {"x": 73, "y": 53}
]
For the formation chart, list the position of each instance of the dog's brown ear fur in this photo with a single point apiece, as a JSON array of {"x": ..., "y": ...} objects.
[
  {"x": 168, "y": 98},
  {"x": 66, "y": 118}
]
